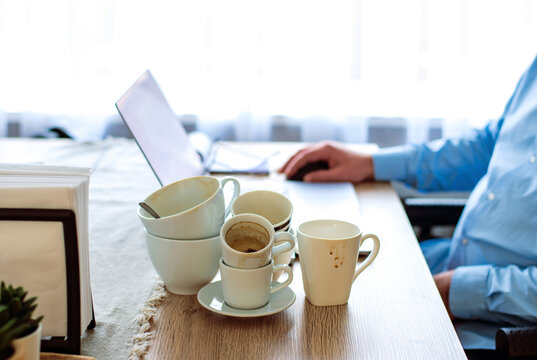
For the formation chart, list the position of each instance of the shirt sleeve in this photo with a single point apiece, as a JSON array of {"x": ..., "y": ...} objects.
[
  {"x": 443, "y": 165},
  {"x": 501, "y": 294}
]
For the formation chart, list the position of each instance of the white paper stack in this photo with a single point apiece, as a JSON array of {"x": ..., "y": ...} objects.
[{"x": 32, "y": 253}]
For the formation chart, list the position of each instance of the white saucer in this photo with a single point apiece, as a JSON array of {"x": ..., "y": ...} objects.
[{"x": 212, "y": 298}]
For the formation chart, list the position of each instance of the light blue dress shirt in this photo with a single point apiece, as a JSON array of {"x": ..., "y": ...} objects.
[{"x": 494, "y": 246}]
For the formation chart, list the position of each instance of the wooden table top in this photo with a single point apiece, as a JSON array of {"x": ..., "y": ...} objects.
[{"x": 394, "y": 310}]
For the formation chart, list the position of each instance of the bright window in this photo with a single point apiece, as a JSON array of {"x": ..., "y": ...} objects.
[{"x": 220, "y": 59}]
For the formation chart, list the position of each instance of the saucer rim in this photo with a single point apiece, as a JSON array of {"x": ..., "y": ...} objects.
[{"x": 243, "y": 313}]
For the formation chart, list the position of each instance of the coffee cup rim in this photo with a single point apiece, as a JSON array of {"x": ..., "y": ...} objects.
[
  {"x": 150, "y": 218},
  {"x": 358, "y": 232},
  {"x": 276, "y": 226},
  {"x": 222, "y": 263},
  {"x": 160, "y": 238},
  {"x": 267, "y": 225}
]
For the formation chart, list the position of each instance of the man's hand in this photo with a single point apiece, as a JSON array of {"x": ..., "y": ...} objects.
[
  {"x": 443, "y": 283},
  {"x": 343, "y": 165}
]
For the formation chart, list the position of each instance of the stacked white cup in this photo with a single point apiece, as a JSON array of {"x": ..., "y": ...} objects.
[
  {"x": 249, "y": 244},
  {"x": 274, "y": 207},
  {"x": 184, "y": 241}
]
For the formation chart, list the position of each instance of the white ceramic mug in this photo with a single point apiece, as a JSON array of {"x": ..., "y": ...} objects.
[
  {"x": 192, "y": 208},
  {"x": 185, "y": 266},
  {"x": 273, "y": 206},
  {"x": 251, "y": 288},
  {"x": 249, "y": 241},
  {"x": 328, "y": 255}
]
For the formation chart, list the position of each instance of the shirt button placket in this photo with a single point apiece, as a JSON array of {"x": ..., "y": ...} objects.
[
  {"x": 464, "y": 241},
  {"x": 490, "y": 196},
  {"x": 533, "y": 159}
]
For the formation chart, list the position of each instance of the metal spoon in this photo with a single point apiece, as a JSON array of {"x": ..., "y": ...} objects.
[{"x": 148, "y": 208}]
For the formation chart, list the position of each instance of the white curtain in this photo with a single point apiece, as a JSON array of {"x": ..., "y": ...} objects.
[{"x": 327, "y": 65}]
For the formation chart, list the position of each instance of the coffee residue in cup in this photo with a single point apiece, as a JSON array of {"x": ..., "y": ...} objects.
[{"x": 247, "y": 237}]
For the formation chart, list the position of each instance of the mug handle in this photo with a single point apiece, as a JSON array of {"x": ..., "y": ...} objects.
[
  {"x": 280, "y": 286},
  {"x": 372, "y": 255},
  {"x": 236, "y": 192},
  {"x": 285, "y": 241}
]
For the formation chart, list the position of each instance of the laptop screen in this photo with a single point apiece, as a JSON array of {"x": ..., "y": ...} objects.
[{"x": 159, "y": 134}]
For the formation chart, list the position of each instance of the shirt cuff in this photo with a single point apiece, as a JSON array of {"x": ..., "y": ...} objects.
[
  {"x": 468, "y": 291},
  {"x": 390, "y": 163}
]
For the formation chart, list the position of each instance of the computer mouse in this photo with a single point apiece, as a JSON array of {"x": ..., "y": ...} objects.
[{"x": 309, "y": 167}]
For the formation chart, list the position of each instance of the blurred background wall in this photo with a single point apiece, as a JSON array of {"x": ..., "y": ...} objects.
[{"x": 385, "y": 71}]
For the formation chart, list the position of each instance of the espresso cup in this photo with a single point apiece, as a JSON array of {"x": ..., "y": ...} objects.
[
  {"x": 251, "y": 288},
  {"x": 192, "y": 208},
  {"x": 328, "y": 259},
  {"x": 272, "y": 205},
  {"x": 249, "y": 241},
  {"x": 185, "y": 266}
]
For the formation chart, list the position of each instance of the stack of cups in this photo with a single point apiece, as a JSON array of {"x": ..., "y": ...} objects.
[
  {"x": 274, "y": 207},
  {"x": 184, "y": 242},
  {"x": 249, "y": 244}
]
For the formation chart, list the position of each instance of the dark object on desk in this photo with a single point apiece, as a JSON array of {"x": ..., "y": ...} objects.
[
  {"x": 54, "y": 133},
  {"x": 511, "y": 342},
  {"x": 309, "y": 167}
]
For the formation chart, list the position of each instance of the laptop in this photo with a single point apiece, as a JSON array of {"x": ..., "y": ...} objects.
[{"x": 169, "y": 151}]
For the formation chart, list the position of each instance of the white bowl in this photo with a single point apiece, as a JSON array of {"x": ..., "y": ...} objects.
[
  {"x": 192, "y": 208},
  {"x": 185, "y": 266}
]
